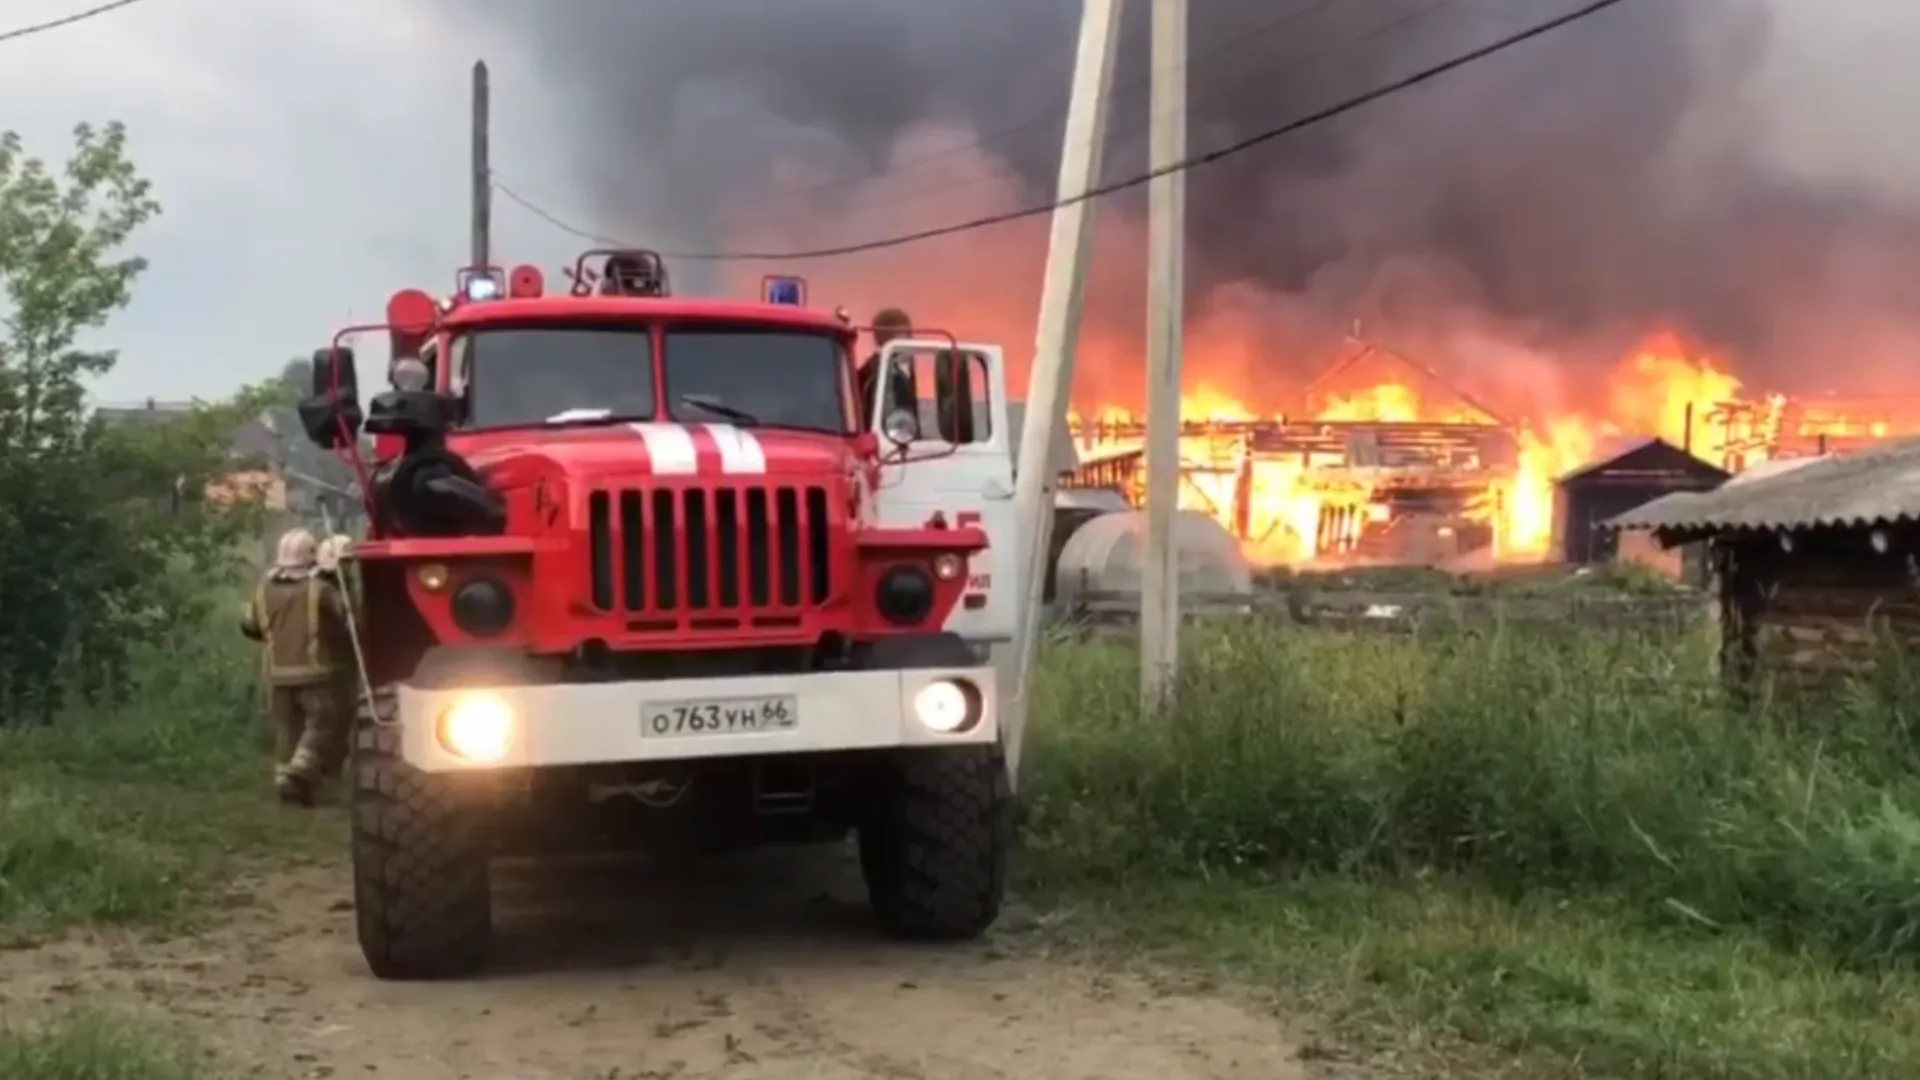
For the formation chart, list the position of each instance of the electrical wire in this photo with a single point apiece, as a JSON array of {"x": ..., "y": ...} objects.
[
  {"x": 1100, "y": 190},
  {"x": 65, "y": 20}
]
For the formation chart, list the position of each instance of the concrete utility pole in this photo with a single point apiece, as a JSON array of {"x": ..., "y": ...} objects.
[
  {"x": 1166, "y": 295},
  {"x": 1057, "y": 335},
  {"x": 482, "y": 168}
]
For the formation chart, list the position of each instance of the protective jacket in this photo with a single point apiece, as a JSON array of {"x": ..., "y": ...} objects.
[{"x": 301, "y": 618}]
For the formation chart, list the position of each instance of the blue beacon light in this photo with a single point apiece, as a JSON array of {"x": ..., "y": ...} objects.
[{"x": 785, "y": 291}]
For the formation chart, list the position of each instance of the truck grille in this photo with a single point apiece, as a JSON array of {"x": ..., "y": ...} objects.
[{"x": 709, "y": 549}]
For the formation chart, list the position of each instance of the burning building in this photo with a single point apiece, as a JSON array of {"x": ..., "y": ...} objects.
[
  {"x": 1383, "y": 459},
  {"x": 1747, "y": 432},
  {"x": 1380, "y": 459}
]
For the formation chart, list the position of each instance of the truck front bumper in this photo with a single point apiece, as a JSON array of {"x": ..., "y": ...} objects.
[{"x": 518, "y": 727}]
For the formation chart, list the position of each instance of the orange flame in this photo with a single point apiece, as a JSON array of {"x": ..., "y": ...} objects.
[
  {"x": 1298, "y": 509},
  {"x": 1242, "y": 345}
]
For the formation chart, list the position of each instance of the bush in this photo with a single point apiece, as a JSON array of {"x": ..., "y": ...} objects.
[{"x": 1526, "y": 761}]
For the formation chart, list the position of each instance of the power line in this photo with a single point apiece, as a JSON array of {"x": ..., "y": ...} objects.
[
  {"x": 547, "y": 216},
  {"x": 1098, "y": 191},
  {"x": 65, "y": 20}
]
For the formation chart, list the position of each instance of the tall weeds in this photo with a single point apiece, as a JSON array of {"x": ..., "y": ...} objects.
[{"x": 1561, "y": 759}]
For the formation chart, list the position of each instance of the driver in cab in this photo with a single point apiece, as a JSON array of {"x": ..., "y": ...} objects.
[{"x": 890, "y": 324}]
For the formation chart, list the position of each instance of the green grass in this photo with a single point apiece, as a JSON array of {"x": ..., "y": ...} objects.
[
  {"x": 1560, "y": 845},
  {"x": 142, "y": 815},
  {"x": 1562, "y": 848},
  {"x": 87, "y": 1047}
]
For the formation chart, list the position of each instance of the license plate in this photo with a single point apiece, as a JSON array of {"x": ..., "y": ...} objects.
[{"x": 719, "y": 716}]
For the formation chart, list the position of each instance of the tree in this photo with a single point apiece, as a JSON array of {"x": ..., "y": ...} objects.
[
  {"x": 62, "y": 272},
  {"x": 99, "y": 551}
]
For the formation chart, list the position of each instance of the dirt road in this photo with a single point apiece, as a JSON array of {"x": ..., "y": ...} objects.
[{"x": 744, "y": 973}]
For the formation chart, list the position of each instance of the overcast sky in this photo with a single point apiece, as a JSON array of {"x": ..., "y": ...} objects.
[{"x": 311, "y": 154}]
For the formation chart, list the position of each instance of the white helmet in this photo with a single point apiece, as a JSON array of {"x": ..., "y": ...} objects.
[
  {"x": 333, "y": 549},
  {"x": 297, "y": 550}
]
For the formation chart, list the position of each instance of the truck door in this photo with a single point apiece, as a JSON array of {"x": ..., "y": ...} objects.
[{"x": 946, "y": 447}]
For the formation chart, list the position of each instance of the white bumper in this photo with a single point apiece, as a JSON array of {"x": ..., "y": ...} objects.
[{"x": 595, "y": 723}]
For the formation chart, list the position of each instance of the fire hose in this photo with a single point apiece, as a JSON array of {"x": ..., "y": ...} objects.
[{"x": 353, "y": 621}]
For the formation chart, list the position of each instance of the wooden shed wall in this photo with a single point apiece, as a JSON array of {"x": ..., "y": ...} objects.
[{"x": 1823, "y": 611}]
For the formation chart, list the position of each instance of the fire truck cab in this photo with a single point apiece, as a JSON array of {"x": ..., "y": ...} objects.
[{"x": 645, "y": 573}]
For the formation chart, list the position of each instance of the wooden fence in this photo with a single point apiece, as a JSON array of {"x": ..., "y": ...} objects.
[{"x": 1398, "y": 612}]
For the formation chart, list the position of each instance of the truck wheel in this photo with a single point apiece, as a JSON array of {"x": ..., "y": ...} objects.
[
  {"x": 934, "y": 849},
  {"x": 422, "y": 897}
]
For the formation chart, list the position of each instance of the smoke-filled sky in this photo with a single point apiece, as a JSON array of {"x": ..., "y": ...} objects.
[
  {"x": 1723, "y": 166},
  {"x": 1740, "y": 167}
]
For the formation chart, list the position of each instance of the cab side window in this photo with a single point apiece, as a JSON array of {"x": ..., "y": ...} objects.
[{"x": 947, "y": 394}]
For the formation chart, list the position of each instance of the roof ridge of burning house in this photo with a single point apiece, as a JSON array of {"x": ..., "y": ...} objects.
[{"x": 1361, "y": 349}]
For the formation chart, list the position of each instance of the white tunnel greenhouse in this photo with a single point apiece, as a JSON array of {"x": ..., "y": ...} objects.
[{"x": 1108, "y": 555}]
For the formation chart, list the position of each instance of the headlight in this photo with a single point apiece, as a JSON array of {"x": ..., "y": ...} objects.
[
  {"x": 478, "y": 728},
  {"x": 900, "y": 427},
  {"x": 905, "y": 595},
  {"x": 482, "y": 608},
  {"x": 949, "y": 706}
]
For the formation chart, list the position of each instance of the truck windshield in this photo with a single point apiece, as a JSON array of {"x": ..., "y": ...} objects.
[
  {"x": 527, "y": 375},
  {"x": 757, "y": 375}
]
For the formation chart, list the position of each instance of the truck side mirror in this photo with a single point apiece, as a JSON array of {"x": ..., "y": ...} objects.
[
  {"x": 330, "y": 415},
  {"x": 333, "y": 368}
]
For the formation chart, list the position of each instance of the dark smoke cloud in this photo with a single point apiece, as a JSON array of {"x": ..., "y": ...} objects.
[{"x": 1588, "y": 184}]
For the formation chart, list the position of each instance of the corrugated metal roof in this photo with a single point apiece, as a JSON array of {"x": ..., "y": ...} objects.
[
  {"x": 1879, "y": 486},
  {"x": 1773, "y": 468}
]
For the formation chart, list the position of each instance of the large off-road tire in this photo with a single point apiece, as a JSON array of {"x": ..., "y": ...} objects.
[
  {"x": 422, "y": 897},
  {"x": 934, "y": 851},
  {"x": 938, "y": 828}
]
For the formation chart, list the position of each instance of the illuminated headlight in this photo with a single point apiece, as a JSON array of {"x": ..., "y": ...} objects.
[
  {"x": 482, "y": 288},
  {"x": 948, "y": 706},
  {"x": 478, "y": 728},
  {"x": 905, "y": 595},
  {"x": 946, "y": 567}
]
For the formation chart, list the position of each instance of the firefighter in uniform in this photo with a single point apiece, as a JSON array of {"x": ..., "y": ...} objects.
[
  {"x": 346, "y": 688},
  {"x": 300, "y": 619},
  {"x": 888, "y": 325}
]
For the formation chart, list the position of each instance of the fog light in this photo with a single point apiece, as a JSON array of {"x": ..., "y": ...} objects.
[
  {"x": 948, "y": 706},
  {"x": 946, "y": 567},
  {"x": 478, "y": 728},
  {"x": 482, "y": 608},
  {"x": 905, "y": 596},
  {"x": 432, "y": 577}
]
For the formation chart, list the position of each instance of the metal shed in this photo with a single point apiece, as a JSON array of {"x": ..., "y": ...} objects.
[{"x": 1639, "y": 473}]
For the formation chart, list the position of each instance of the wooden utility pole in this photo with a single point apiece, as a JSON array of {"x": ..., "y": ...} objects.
[
  {"x": 1056, "y": 337},
  {"x": 1166, "y": 295},
  {"x": 482, "y": 255}
]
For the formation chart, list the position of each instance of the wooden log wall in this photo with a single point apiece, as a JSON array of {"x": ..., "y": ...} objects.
[{"x": 1827, "y": 610}]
